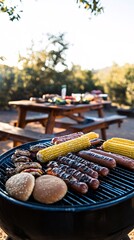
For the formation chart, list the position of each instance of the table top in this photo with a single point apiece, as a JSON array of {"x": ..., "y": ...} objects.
[
  {"x": 28, "y": 103},
  {"x": 73, "y": 111}
]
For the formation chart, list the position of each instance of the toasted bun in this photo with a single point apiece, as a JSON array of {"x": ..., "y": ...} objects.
[
  {"x": 20, "y": 186},
  {"x": 49, "y": 189}
]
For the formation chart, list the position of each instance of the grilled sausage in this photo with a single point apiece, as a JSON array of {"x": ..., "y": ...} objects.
[
  {"x": 72, "y": 182},
  {"x": 60, "y": 139},
  {"x": 81, "y": 177},
  {"x": 96, "y": 141},
  {"x": 79, "y": 166},
  {"x": 91, "y": 182},
  {"x": 121, "y": 160},
  {"x": 102, "y": 171},
  {"x": 98, "y": 158}
]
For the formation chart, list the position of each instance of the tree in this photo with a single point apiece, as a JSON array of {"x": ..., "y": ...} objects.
[
  {"x": 94, "y": 7},
  {"x": 39, "y": 69},
  {"x": 130, "y": 85},
  {"x": 12, "y": 11},
  {"x": 6, "y": 85}
]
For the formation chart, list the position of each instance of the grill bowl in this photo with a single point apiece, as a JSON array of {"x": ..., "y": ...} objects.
[{"x": 97, "y": 215}]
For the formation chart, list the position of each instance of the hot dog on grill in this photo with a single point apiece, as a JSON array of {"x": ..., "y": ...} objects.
[
  {"x": 81, "y": 177},
  {"x": 72, "y": 182},
  {"x": 96, "y": 141},
  {"x": 78, "y": 165},
  {"x": 98, "y": 158},
  {"x": 102, "y": 171},
  {"x": 121, "y": 160},
  {"x": 60, "y": 139}
]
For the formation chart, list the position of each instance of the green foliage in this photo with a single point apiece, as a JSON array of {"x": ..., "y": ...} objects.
[
  {"x": 40, "y": 73},
  {"x": 6, "y": 85},
  {"x": 118, "y": 82},
  {"x": 130, "y": 85},
  {"x": 93, "y": 6},
  {"x": 12, "y": 11}
]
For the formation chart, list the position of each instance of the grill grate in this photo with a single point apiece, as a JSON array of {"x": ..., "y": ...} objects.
[{"x": 119, "y": 184}]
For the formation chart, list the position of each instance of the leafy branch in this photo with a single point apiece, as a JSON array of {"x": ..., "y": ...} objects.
[
  {"x": 93, "y": 6},
  {"x": 12, "y": 11}
]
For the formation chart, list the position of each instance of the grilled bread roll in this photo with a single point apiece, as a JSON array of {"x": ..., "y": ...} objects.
[
  {"x": 20, "y": 186},
  {"x": 49, "y": 189}
]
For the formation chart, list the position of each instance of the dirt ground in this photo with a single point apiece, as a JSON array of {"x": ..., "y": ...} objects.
[{"x": 125, "y": 131}]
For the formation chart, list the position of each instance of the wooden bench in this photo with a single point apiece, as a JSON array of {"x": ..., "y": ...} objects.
[
  {"x": 97, "y": 123},
  {"x": 41, "y": 118},
  {"x": 20, "y": 135}
]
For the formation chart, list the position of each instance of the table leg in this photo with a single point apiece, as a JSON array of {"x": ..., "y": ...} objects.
[
  {"x": 103, "y": 130},
  {"x": 103, "y": 134},
  {"x": 21, "y": 117},
  {"x": 50, "y": 122},
  {"x": 100, "y": 112}
]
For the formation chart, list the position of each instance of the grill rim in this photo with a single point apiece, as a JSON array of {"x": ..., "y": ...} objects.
[
  {"x": 87, "y": 207},
  {"x": 95, "y": 207}
]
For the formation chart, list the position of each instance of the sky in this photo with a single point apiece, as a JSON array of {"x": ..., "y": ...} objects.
[{"x": 95, "y": 41}]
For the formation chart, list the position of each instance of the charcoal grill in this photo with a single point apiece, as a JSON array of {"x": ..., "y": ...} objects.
[{"x": 103, "y": 214}]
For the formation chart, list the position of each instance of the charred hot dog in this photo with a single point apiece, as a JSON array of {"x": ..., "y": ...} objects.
[
  {"x": 102, "y": 171},
  {"x": 72, "y": 182},
  {"x": 121, "y": 160},
  {"x": 98, "y": 158}
]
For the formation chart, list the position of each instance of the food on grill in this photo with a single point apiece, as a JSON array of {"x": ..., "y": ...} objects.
[
  {"x": 20, "y": 186},
  {"x": 81, "y": 177},
  {"x": 91, "y": 135},
  {"x": 31, "y": 167},
  {"x": 20, "y": 152},
  {"x": 77, "y": 165},
  {"x": 21, "y": 156},
  {"x": 35, "y": 148},
  {"x": 98, "y": 158},
  {"x": 10, "y": 172},
  {"x": 121, "y": 160},
  {"x": 21, "y": 160},
  {"x": 49, "y": 189},
  {"x": 102, "y": 171},
  {"x": 71, "y": 181},
  {"x": 122, "y": 141},
  {"x": 57, "y": 140},
  {"x": 119, "y": 148},
  {"x": 60, "y": 139},
  {"x": 95, "y": 141},
  {"x": 61, "y": 149}
]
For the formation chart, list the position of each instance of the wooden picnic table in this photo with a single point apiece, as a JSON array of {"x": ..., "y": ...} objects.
[{"x": 71, "y": 111}]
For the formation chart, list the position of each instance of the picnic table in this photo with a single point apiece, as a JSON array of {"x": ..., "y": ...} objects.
[
  {"x": 54, "y": 112},
  {"x": 53, "y": 116}
]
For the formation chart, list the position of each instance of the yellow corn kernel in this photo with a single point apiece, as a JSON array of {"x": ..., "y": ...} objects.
[
  {"x": 61, "y": 149},
  {"x": 118, "y": 148},
  {"x": 122, "y": 141},
  {"x": 91, "y": 135}
]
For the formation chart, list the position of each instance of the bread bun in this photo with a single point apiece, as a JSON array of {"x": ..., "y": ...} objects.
[
  {"x": 20, "y": 186},
  {"x": 49, "y": 189}
]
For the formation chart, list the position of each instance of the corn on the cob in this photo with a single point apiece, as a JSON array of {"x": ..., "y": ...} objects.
[
  {"x": 122, "y": 141},
  {"x": 118, "y": 148},
  {"x": 91, "y": 135},
  {"x": 64, "y": 148}
]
